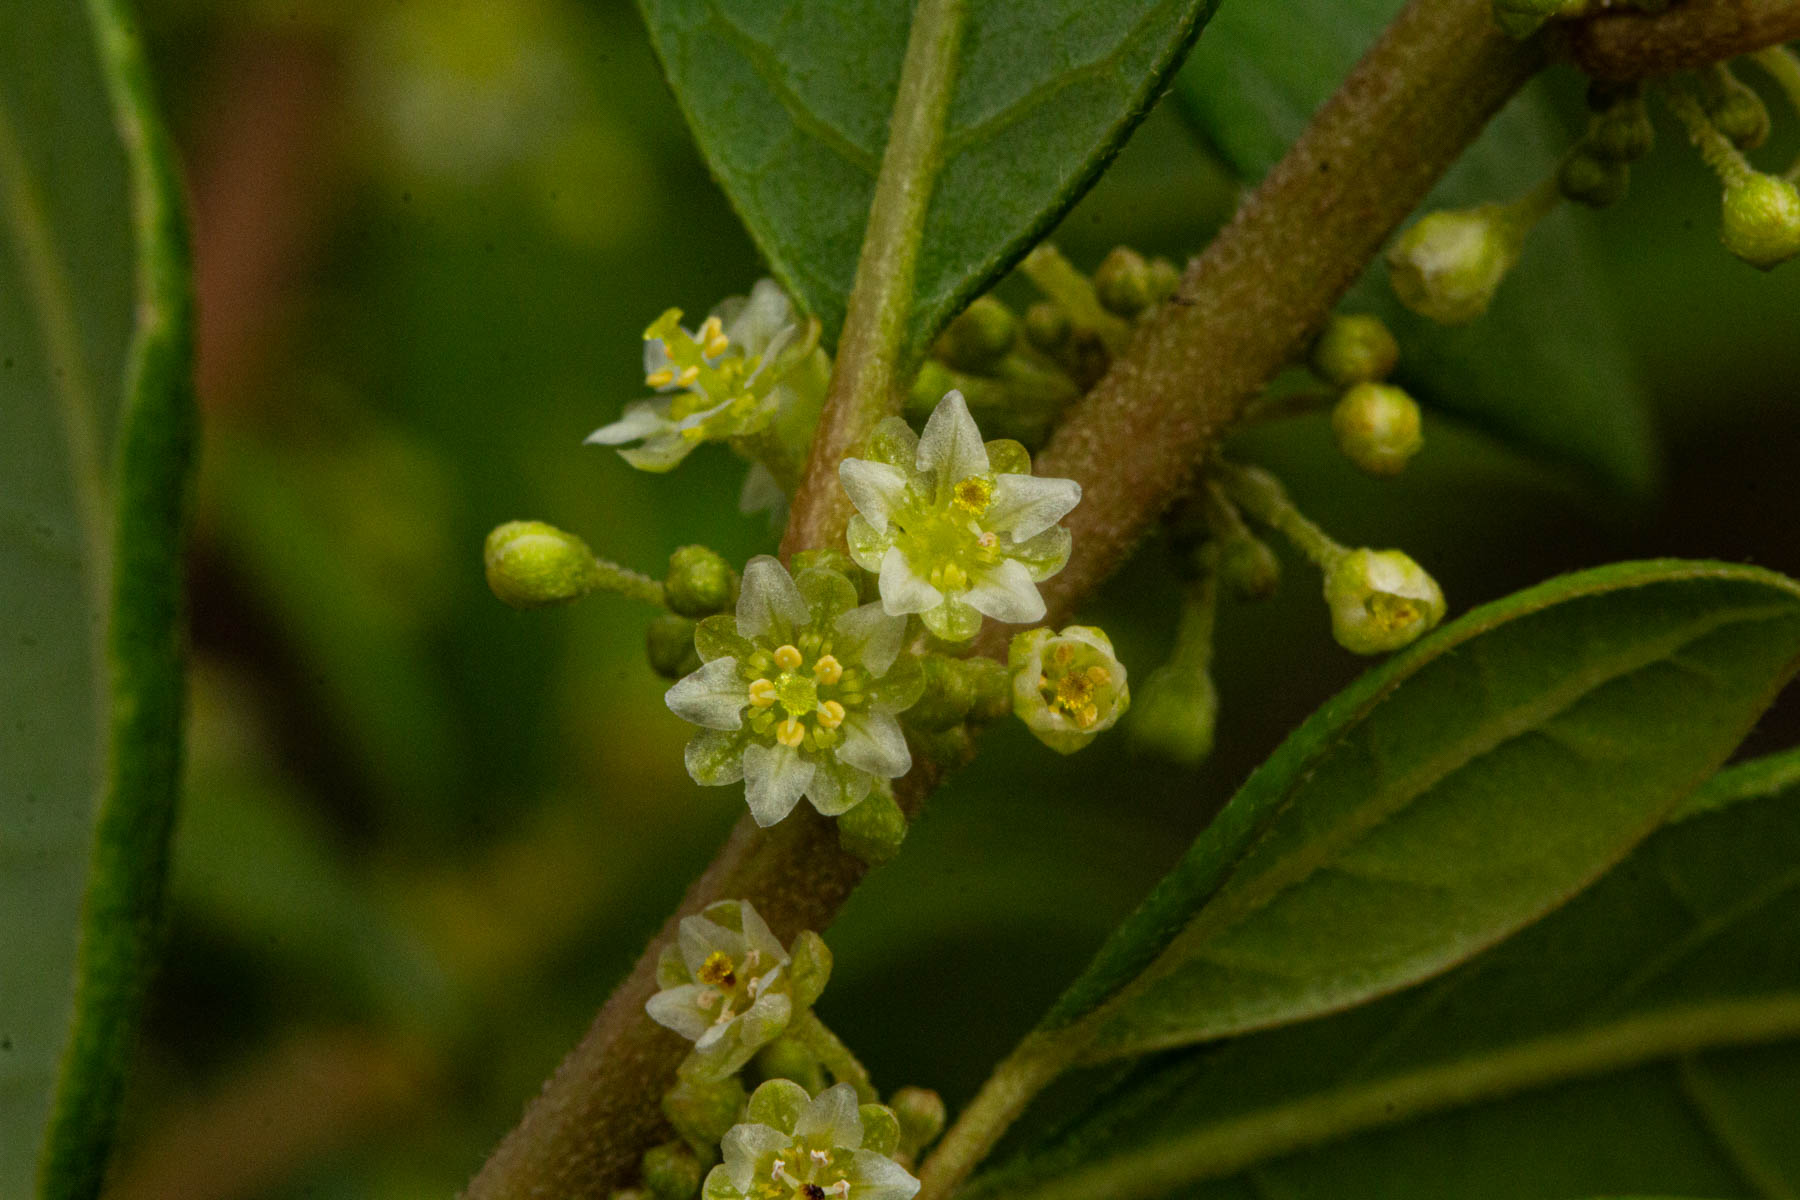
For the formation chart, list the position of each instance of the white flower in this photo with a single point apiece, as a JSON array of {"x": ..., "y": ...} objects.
[
  {"x": 725, "y": 986},
  {"x": 792, "y": 1147},
  {"x": 1068, "y": 686},
  {"x": 1380, "y": 600},
  {"x": 954, "y": 528}
]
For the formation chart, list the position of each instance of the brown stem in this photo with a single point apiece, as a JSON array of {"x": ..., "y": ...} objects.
[{"x": 1627, "y": 45}]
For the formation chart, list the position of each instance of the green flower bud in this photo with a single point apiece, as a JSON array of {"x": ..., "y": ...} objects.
[
  {"x": 791, "y": 1059},
  {"x": 929, "y": 386},
  {"x": 1249, "y": 568},
  {"x": 957, "y": 689},
  {"x": 1380, "y": 600},
  {"x": 672, "y": 1172},
  {"x": 703, "y": 1113},
  {"x": 1624, "y": 132},
  {"x": 700, "y": 582},
  {"x": 1354, "y": 348},
  {"x": 1067, "y": 687},
  {"x": 843, "y": 564},
  {"x": 1165, "y": 279},
  {"x": 1735, "y": 109},
  {"x": 1449, "y": 264},
  {"x": 1589, "y": 178},
  {"x": 881, "y": 1129},
  {"x": 669, "y": 642},
  {"x": 1761, "y": 221},
  {"x": 1377, "y": 427},
  {"x": 1123, "y": 283},
  {"x": 1174, "y": 714},
  {"x": 810, "y": 968},
  {"x": 874, "y": 829},
  {"x": 980, "y": 336},
  {"x": 531, "y": 564},
  {"x": 1046, "y": 327},
  {"x": 921, "y": 1114}
]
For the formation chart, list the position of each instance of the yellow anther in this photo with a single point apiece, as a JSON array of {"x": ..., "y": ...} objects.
[
  {"x": 949, "y": 576},
  {"x": 717, "y": 971},
  {"x": 716, "y": 346},
  {"x": 787, "y": 657},
  {"x": 973, "y": 494},
  {"x": 1062, "y": 654},
  {"x": 710, "y": 328},
  {"x": 1087, "y": 716},
  {"x": 1075, "y": 692},
  {"x": 790, "y": 732},
  {"x": 828, "y": 670},
  {"x": 762, "y": 693},
  {"x": 687, "y": 376},
  {"x": 662, "y": 377},
  {"x": 1099, "y": 676},
  {"x": 831, "y": 714}
]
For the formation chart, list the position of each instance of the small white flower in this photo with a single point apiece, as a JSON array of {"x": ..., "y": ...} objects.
[
  {"x": 1068, "y": 686},
  {"x": 795, "y": 1147},
  {"x": 954, "y": 528},
  {"x": 725, "y": 986},
  {"x": 1380, "y": 600}
]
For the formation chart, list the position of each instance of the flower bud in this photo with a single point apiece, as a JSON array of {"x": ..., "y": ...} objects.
[
  {"x": 1449, "y": 264},
  {"x": 874, "y": 829},
  {"x": 810, "y": 968},
  {"x": 843, "y": 564},
  {"x": 531, "y": 564},
  {"x": 669, "y": 643},
  {"x": 671, "y": 1172},
  {"x": 1354, "y": 348},
  {"x": 1623, "y": 133},
  {"x": 1067, "y": 687},
  {"x": 921, "y": 1114},
  {"x": 980, "y": 336},
  {"x": 1175, "y": 713},
  {"x": 1123, "y": 282},
  {"x": 1593, "y": 179},
  {"x": 881, "y": 1129},
  {"x": 700, "y": 582},
  {"x": 1165, "y": 279},
  {"x": 1760, "y": 221},
  {"x": 1735, "y": 109},
  {"x": 703, "y": 1113},
  {"x": 929, "y": 385},
  {"x": 791, "y": 1059},
  {"x": 1377, "y": 427},
  {"x": 1249, "y": 568},
  {"x": 1046, "y": 327},
  {"x": 1380, "y": 600}
]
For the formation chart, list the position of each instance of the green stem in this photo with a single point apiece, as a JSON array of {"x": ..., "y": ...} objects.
[
  {"x": 611, "y": 577},
  {"x": 1057, "y": 278},
  {"x": 834, "y": 1056},
  {"x": 1193, "y": 649},
  {"x": 864, "y": 382},
  {"x": 1038, "y": 1059},
  {"x": 1783, "y": 65},
  {"x": 1725, "y": 159},
  {"x": 1263, "y": 497}
]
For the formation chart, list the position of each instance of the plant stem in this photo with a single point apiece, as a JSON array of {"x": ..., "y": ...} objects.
[
  {"x": 1725, "y": 159},
  {"x": 834, "y": 1056},
  {"x": 1631, "y": 45},
  {"x": 1057, "y": 278},
  {"x": 865, "y": 380},
  {"x": 1783, "y": 65},
  {"x": 1263, "y": 497},
  {"x": 1025, "y": 1072},
  {"x": 611, "y": 577}
]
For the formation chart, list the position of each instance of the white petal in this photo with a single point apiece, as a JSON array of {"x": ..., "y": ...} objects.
[
  {"x": 878, "y": 1177},
  {"x": 871, "y": 634},
  {"x": 639, "y": 420},
  {"x": 699, "y": 937},
  {"x": 832, "y": 1119},
  {"x": 903, "y": 591},
  {"x": 951, "y": 444},
  {"x": 825, "y": 791},
  {"x": 696, "y": 418},
  {"x": 761, "y": 493},
  {"x": 769, "y": 605},
  {"x": 1025, "y": 505},
  {"x": 656, "y": 357},
  {"x": 663, "y": 452},
  {"x": 744, "y": 1145},
  {"x": 764, "y": 316},
  {"x": 676, "y": 1008},
  {"x": 760, "y": 937},
  {"x": 875, "y": 488},
  {"x": 1005, "y": 592},
  {"x": 775, "y": 777},
  {"x": 713, "y": 697},
  {"x": 873, "y": 743}
]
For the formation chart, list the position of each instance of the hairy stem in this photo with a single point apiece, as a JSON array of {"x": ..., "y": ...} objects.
[
  {"x": 865, "y": 384},
  {"x": 1628, "y": 45},
  {"x": 834, "y": 1056}
]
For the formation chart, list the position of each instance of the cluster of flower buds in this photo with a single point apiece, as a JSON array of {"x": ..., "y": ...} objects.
[
  {"x": 1759, "y": 218},
  {"x": 1377, "y": 425},
  {"x": 1522, "y": 18}
]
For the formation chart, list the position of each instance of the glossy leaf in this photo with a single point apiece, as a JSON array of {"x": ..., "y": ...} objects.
[
  {"x": 95, "y": 441},
  {"x": 790, "y": 105},
  {"x": 1644, "y": 1040},
  {"x": 1547, "y": 368},
  {"x": 1446, "y": 799}
]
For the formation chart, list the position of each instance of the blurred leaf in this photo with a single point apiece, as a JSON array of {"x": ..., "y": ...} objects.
[
  {"x": 1447, "y": 798},
  {"x": 790, "y": 105},
  {"x": 1590, "y": 1055},
  {"x": 1547, "y": 366},
  {"x": 96, "y": 426}
]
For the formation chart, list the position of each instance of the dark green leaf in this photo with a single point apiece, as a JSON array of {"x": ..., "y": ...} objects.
[
  {"x": 790, "y": 105},
  {"x": 1448, "y": 798},
  {"x": 1546, "y": 368},
  {"x": 95, "y": 440},
  {"x": 1644, "y": 1039}
]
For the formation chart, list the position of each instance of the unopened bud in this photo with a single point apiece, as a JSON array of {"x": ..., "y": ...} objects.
[
  {"x": 791, "y": 1059},
  {"x": 929, "y": 385},
  {"x": 1046, "y": 327},
  {"x": 1354, "y": 348},
  {"x": 1174, "y": 714},
  {"x": 957, "y": 689},
  {"x": 921, "y": 1114},
  {"x": 671, "y": 1172},
  {"x": 700, "y": 582},
  {"x": 1593, "y": 179},
  {"x": 1735, "y": 109},
  {"x": 1122, "y": 282},
  {"x": 1377, "y": 427},
  {"x": 703, "y": 1113},
  {"x": 1165, "y": 279},
  {"x": 881, "y": 1129},
  {"x": 1760, "y": 221},
  {"x": 669, "y": 644},
  {"x": 1249, "y": 568},
  {"x": 980, "y": 336},
  {"x": 531, "y": 564},
  {"x": 874, "y": 830},
  {"x": 1380, "y": 600},
  {"x": 1448, "y": 265},
  {"x": 1624, "y": 132}
]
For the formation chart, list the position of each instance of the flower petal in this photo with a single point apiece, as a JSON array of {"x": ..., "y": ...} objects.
[
  {"x": 1045, "y": 554},
  {"x": 764, "y": 316},
  {"x": 775, "y": 777},
  {"x": 1025, "y": 505},
  {"x": 866, "y": 546},
  {"x": 873, "y": 743},
  {"x": 759, "y": 937},
  {"x": 1005, "y": 592},
  {"x": 700, "y": 938},
  {"x": 877, "y": 1177},
  {"x": 663, "y": 452},
  {"x": 951, "y": 448},
  {"x": 953, "y": 621},
  {"x": 715, "y": 757},
  {"x": 746, "y": 1144},
  {"x": 678, "y": 1008},
  {"x": 769, "y": 605},
  {"x": 903, "y": 591},
  {"x": 829, "y": 595},
  {"x": 831, "y": 1120},
  {"x": 639, "y": 420},
  {"x": 837, "y": 787},
  {"x": 875, "y": 488},
  {"x": 656, "y": 357},
  {"x": 713, "y": 697},
  {"x": 872, "y": 636}
]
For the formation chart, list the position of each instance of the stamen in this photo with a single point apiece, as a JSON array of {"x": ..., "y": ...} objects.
[
  {"x": 716, "y": 346},
  {"x": 762, "y": 693},
  {"x": 828, "y": 670},
  {"x": 718, "y": 970},
  {"x": 787, "y": 657},
  {"x": 790, "y": 732},
  {"x": 661, "y": 377},
  {"x": 973, "y": 495},
  {"x": 687, "y": 376},
  {"x": 831, "y": 714}
]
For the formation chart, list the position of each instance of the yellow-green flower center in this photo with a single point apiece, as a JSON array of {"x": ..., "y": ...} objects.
[
  {"x": 1073, "y": 681},
  {"x": 1393, "y": 613},
  {"x": 800, "y": 693},
  {"x": 945, "y": 542}
]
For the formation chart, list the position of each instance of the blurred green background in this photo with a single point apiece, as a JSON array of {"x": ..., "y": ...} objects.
[{"x": 426, "y": 834}]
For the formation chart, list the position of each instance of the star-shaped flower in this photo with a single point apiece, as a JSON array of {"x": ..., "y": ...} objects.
[
  {"x": 793, "y": 1147},
  {"x": 798, "y": 694},
  {"x": 955, "y": 529},
  {"x": 726, "y": 985}
]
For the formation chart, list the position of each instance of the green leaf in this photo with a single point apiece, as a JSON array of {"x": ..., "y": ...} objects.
[
  {"x": 96, "y": 425},
  {"x": 1645, "y": 1039},
  {"x": 1447, "y": 798},
  {"x": 1547, "y": 368},
  {"x": 790, "y": 105}
]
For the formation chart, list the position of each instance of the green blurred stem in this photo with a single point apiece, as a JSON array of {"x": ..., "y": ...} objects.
[
  {"x": 1783, "y": 65},
  {"x": 866, "y": 380},
  {"x": 1263, "y": 497},
  {"x": 1725, "y": 159},
  {"x": 611, "y": 577},
  {"x": 1073, "y": 292},
  {"x": 1038, "y": 1059},
  {"x": 834, "y": 1056},
  {"x": 1193, "y": 649}
]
